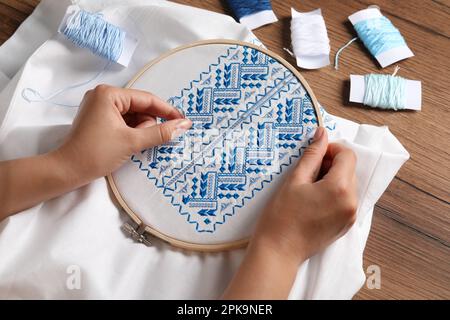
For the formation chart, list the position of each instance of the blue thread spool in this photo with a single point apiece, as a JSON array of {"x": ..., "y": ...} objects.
[
  {"x": 253, "y": 13},
  {"x": 379, "y": 36},
  {"x": 91, "y": 31}
]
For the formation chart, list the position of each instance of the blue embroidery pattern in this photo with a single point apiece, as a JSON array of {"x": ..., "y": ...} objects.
[{"x": 251, "y": 117}]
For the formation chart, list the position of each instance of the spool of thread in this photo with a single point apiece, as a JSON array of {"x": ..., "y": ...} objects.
[
  {"x": 253, "y": 13},
  {"x": 91, "y": 31},
  {"x": 383, "y": 40},
  {"x": 310, "y": 41},
  {"x": 386, "y": 91}
]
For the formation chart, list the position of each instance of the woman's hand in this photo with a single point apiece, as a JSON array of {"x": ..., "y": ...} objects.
[
  {"x": 315, "y": 206},
  {"x": 112, "y": 124},
  {"x": 306, "y": 215}
]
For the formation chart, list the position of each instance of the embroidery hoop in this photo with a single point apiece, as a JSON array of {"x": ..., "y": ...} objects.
[{"x": 140, "y": 229}]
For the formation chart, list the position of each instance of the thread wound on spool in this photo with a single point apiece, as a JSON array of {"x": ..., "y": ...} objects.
[
  {"x": 386, "y": 91},
  {"x": 253, "y": 13},
  {"x": 92, "y": 31},
  {"x": 380, "y": 36},
  {"x": 310, "y": 41}
]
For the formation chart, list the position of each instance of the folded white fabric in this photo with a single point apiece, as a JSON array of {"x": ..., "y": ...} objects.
[
  {"x": 3, "y": 80},
  {"x": 41, "y": 247}
]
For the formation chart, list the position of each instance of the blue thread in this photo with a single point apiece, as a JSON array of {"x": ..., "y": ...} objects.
[
  {"x": 379, "y": 35},
  {"x": 31, "y": 95},
  {"x": 88, "y": 30},
  {"x": 216, "y": 191},
  {"x": 385, "y": 91},
  {"x": 243, "y": 8}
]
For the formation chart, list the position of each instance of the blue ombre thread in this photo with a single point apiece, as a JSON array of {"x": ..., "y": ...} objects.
[
  {"x": 88, "y": 30},
  {"x": 243, "y": 8},
  {"x": 385, "y": 91},
  {"x": 379, "y": 35}
]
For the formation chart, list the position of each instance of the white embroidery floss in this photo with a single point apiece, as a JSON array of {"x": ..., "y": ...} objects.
[
  {"x": 386, "y": 91},
  {"x": 383, "y": 40},
  {"x": 310, "y": 41},
  {"x": 253, "y": 13}
]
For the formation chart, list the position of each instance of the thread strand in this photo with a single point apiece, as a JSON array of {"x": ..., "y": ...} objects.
[
  {"x": 32, "y": 95},
  {"x": 336, "y": 58}
]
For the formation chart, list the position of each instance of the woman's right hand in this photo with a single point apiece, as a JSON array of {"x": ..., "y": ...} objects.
[{"x": 316, "y": 204}]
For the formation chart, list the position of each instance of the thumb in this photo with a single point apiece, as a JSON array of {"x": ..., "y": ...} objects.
[
  {"x": 308, "y": 167},
  {"x": 161, "y": 133}
]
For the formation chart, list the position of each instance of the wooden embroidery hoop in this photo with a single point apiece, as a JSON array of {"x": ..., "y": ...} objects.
[{"x": 141, "y": 229}]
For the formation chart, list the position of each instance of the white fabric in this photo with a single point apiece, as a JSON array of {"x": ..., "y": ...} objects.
[
  {"x": 3, "y": 80},
  {"x": 82, "y": 228}
]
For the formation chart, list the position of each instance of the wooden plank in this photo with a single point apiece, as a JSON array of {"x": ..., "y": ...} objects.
[
  {"x": 412, "y": 266},
  {"x": 417, "y": 210},
  {"x": 12, "y": 13},
  {"x": 420, "y": 132}
]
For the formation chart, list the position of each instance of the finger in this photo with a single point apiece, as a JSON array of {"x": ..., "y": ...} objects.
[
  {"x": 146, "y": 123},
  {"x": 326, "y": 165},
  {"x": 160, "y": 133},
  {"x": 343, "y": 163},
  {"x": 309, "y": 165},
  {"x": 134, "y": 120},
  {"x": 144, "y": 102}
]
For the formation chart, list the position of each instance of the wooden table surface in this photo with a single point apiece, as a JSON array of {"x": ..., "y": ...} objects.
[{"x": 410, "y": 235}]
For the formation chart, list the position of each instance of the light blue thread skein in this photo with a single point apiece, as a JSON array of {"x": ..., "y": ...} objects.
[
  {"x": 379, "y": 35},
  {"x": 385, "y": 91},
  {"x": 86, "y": 30},
  {"x": 90, "y": 31}
]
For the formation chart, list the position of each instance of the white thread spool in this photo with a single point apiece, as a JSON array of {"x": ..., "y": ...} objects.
[{"x": 310, "y": 41}]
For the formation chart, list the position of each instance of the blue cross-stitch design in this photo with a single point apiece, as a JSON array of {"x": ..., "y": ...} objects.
[{"x": 251, "y": 117}]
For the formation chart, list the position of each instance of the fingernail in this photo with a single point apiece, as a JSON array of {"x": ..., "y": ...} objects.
[
  {"x": 183, "y": 124},
  {"x": 181, "y": 127},
  {"x": 178, "y": 133},
  {"x": 319, "y": 133}
]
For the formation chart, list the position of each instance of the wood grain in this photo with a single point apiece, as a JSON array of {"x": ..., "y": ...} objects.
[{"x": 410, "y": 237}]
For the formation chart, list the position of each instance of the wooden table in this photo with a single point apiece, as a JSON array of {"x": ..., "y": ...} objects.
[{"x": 410, "y": 236}]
